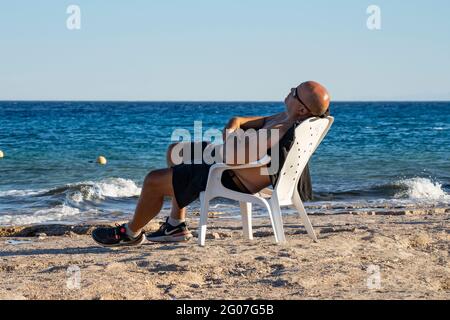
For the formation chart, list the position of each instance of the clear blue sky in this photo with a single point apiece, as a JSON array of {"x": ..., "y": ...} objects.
[{"x": 223, "y": 49}]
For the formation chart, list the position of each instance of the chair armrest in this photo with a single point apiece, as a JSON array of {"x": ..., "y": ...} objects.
[{"x": 262, "y": 162}]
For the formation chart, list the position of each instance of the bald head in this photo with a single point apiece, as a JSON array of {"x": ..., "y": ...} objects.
[{"x": 315, "y": 96}]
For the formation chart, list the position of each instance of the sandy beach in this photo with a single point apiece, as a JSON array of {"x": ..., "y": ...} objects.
[{"x": 409, "y": 248}]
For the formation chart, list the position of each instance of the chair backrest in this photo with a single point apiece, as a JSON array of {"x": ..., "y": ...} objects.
[{"x": 308, "y": 136}]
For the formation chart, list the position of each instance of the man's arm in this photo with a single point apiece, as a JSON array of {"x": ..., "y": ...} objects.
[
  {"x": 246, "y": 123},
  {"x": 256, "y": 123},
  {"x": 248, "y": 149},
  {"x": 243, "y": 123}
]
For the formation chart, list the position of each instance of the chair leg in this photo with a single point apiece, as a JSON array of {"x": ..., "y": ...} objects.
[
  {"x": 246, "y": 213},
  {"x": 269, "y": 210},
  {"x": 277, "y": 222},
  {"x": 204, "y": 207},
  {"x": 304, "y": 216}
]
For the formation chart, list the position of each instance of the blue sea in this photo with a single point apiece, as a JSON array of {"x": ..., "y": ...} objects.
[{"x": 377, "y": 156}]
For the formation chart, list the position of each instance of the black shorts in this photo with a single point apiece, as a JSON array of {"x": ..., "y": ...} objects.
[{"x": 188, "y": 180}]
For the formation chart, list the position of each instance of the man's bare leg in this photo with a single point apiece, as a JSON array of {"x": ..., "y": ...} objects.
[
  {"x": 157, "y": 185},
  {"x": 176, "y": 212},
  {"x": 175, "y": 228}
]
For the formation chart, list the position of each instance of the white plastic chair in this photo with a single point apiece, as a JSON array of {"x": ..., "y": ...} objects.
[{"x": 308, "y": 136}]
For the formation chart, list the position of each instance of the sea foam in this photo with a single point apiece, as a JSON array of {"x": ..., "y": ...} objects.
[
  {"x": 111, "y": 188},
  {"x": 20, "y": 193},
  {"x": 57, "y": 213},
  {"x": 421, "y": 189},
  {"x": 69, "y": 202}
]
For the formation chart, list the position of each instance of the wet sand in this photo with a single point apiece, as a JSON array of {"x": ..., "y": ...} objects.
[{"x": 358, "y": 256}]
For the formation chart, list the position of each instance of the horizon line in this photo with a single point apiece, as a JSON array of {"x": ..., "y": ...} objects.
[{"x": 214, "y": 101}]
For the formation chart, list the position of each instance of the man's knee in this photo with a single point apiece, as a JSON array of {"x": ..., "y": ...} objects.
[
  {"x": 175, "y": 153},
  {"x": 159, "y": 183},
  {"x": 152, "y": 179},
  {"x": 171, "y": 146},
  {"x": 169, "y": 154}
]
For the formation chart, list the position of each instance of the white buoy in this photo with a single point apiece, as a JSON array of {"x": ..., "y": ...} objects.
[
  {"x": 101, "y": 160},
  {"x": 1, "y": 154}
]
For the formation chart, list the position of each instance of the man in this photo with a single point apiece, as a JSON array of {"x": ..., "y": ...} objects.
[{"x": 184, "y": 182}]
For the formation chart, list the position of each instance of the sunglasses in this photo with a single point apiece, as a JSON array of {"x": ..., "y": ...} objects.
[{"x": 296, "y": 96}]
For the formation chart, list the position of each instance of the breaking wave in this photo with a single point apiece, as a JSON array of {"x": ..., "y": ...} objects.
[
  {"x": 72, "y": 202},
  {"x": 115, "y": 198},
  {"x": 414, "y": 189},
  {"x": 421, "y": 189}
]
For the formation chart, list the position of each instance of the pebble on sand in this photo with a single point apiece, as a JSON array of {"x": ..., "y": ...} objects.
[
  {"x": 1, "y": 154},
  {"x": 101, "y": 160}
]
